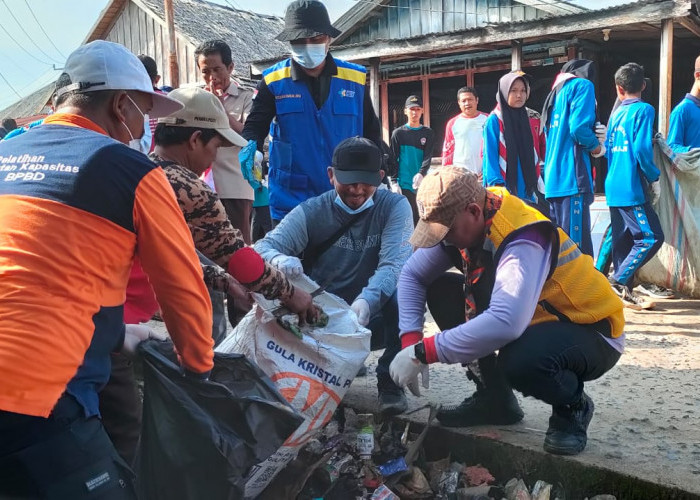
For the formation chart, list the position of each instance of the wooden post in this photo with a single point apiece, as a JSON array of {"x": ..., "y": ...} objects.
[
  {"x": 172, "y": 47},
  {"x": 374, "y": 83},
  {"x": 384, "y": 100},
  {"x": 516, "y": 55},
  {"x": 425, "y": 87},
  {"x": 665, "y": 75}
]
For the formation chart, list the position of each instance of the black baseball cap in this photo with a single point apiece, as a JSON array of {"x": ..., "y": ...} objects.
[
  {"x": 414, "y": 101},
  {"x": 306, "y": 19},
  {"x": 357, "y": 159}
]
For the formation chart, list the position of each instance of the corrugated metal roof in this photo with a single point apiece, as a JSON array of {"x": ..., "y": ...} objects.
[
  {"x": 251, "y": 36},
  {"x": 31, "y": 105},
  {"x": 515, "y": 24}
]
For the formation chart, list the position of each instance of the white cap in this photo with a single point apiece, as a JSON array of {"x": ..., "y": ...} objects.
[
  {"x": 102, "y": 65},
  {"x": 202, "y": 110}
]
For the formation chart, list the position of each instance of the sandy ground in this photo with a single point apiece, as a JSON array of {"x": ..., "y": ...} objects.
[{"x": 647, "y": 418}]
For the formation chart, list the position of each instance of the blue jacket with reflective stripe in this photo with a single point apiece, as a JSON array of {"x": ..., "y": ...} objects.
[{"x": 303, "y": 137}]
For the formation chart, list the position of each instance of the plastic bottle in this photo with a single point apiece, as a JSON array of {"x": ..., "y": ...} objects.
[{"x": 365, "y": 436}]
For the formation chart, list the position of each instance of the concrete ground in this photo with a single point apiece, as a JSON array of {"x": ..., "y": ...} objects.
[{"x": 647, "y": 418}]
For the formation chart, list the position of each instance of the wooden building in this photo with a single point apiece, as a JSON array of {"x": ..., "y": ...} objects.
[
  {"x": 140, "y": 26},
  {"x": 434, "y": 47}
]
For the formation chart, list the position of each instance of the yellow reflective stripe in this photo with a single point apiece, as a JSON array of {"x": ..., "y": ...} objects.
[
  {"x": 278, "y": 75},
  {"x": 352, "y": 75}
]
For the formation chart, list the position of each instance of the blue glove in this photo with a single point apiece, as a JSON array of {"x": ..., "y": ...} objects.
[{"x": 246, "y": 157}]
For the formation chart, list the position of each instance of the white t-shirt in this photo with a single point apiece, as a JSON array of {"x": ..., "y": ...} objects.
[{"x": 463, "y": 142}]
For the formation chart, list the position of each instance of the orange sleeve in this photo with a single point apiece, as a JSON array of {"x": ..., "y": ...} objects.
[{"x": 164, "y": 245}]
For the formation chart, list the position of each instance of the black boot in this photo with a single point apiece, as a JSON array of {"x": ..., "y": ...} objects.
[
  {"x": 566, "y": 434},
  {"x": 493, "y": 403},
  {"x": 392, "y": 399}
]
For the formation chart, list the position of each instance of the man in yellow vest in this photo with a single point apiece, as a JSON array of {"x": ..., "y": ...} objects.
[{"x": 528, "y": 293}]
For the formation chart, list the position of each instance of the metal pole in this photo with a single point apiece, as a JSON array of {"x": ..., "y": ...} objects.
[
  {"x": 172, "y": 45},
  {"x": 665, "y": 74}
]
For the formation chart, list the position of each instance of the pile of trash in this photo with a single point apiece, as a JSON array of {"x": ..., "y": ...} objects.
[{"x": 387, "y": 462}]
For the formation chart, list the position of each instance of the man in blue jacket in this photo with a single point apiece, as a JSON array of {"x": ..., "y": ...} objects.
[
  {"x": 569, "y": 121},
  {"x": 636, "y": 230},
  {"x": 684, "y": 129},
  {"x": 316, "y": 101}
]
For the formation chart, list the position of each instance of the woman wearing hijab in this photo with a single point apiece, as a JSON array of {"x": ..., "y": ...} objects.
[{"x": 512, "y": 141}]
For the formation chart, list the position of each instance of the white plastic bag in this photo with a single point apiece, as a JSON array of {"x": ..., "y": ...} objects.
[
  {"x": 677, "y": 264},
  {"x": 312, "y": 373}
]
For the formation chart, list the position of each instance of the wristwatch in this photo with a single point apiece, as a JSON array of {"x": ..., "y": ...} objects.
[{"x": 419, "y": 351}]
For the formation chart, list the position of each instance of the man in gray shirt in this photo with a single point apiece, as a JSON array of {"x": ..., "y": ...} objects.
[{"x": 354, "y": 241}]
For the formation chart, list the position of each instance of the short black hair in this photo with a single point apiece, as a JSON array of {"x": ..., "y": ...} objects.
[
  {"x": 151, "y": 67},
  {"x": 214, "y": 47},
  {"x": 170, "y": 136},
  {"x": 467, "y": 90},
  {"x": 9, "y": 124},
  {"x": 80, "y": 99},
  {"x": 630, "y": 77}
]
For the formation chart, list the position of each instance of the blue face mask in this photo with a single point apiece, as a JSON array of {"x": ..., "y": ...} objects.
[
  {"x": 367, "y": 204},
  {"x": 309, "y": 55}
]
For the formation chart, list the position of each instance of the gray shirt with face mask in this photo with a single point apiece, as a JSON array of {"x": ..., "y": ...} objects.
[{"x": 365, "y": 261}]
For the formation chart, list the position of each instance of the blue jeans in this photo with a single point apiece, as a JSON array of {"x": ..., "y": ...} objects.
[{"x": 385, "y": 333}]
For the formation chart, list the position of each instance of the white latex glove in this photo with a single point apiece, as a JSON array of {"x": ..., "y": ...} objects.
[
  {"x": 417, "y": 179},
  {"x": 135, "y": 334},
  {"x": 405, "y": 368},
  {"x": 394, "y": 186},
  {"x": 601, "y": 132},
  {"x": 600, "y": 153},
  {"x": 654, "y": 192},
  {"x": 361, "y": 308},
  {"x": 290, "y": 266}
]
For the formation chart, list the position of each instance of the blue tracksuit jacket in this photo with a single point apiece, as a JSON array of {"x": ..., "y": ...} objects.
[
  {"x": 630, "y": 154},
  {"x": 570, "y": 139},
  {"x": 684, "y": 129}
]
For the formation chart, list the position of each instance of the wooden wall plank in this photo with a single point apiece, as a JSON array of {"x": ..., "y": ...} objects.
[{"x": 665, "y": 75}]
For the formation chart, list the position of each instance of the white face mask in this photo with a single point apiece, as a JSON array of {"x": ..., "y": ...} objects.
[
  {"x": 135, "y": 143},
  {"x": 309, "y": 55},
  {"x": 367, "y": 204}
]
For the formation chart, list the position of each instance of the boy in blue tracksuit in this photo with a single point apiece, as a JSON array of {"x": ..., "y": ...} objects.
[
  {"x": 636, "y": 230},
  {"x": 569, "y": 122},
  {"x": 684, "y": 128}
]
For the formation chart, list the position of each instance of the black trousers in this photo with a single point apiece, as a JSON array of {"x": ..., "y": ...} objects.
[
  {"x": 549, "y": 361},
  {"x": 63, "y": 456},
  {"x": 120, "y": 407},
  {"x": 385, "y": 334}
]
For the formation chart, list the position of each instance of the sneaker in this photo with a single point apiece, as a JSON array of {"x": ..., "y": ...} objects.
[
  {"x": 631, "y": 299},
  {"x": 568, "y": 425},
  {"x": 655, "y": 291},
  {"x": 392, "y": 400},
  {"x": 484, "y": 407}
]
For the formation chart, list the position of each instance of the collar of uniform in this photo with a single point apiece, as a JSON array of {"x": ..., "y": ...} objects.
[
  {"x": 692, "y": 98},
  {"x": 329, "y": 69},
  {"x": 232, "y": 89},
  {"x": 72, "y": 120}
]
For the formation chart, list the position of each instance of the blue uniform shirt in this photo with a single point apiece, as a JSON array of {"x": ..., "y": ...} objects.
[{"x": 630, "y": 154}]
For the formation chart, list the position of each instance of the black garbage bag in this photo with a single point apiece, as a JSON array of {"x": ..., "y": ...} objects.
[{"x": 201, "y": 438}]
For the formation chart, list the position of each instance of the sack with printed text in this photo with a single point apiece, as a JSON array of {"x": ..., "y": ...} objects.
[{"x": 313, "y": 373}]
